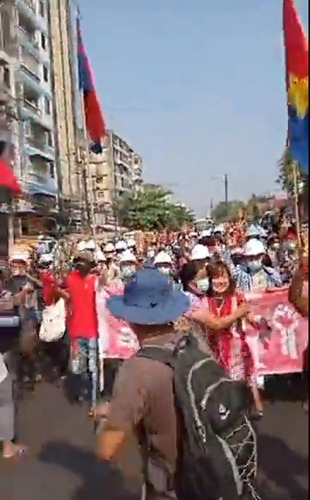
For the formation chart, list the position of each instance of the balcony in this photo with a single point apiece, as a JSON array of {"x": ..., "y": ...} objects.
[
  {"x": 28, "y": 9},
  {"x": 47, "y": 187},
  {"x": 30, "y": 109},
  {"x": 39, "y": 148},
  {"x": 29, "y": 42},
  {"x": 40, "y": 180},
  {"x": 30, "y": 77}
]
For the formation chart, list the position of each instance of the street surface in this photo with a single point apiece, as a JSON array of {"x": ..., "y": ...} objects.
[{"x": 62, "y": 465}]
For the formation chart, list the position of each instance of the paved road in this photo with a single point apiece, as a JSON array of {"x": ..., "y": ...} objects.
[{"x": 62, "y": 465}]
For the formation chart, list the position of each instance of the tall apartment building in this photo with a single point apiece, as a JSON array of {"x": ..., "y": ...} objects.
[
  {"x": 35, "y": 158},
  {"x": 63, "y": 52},
  {"x": 7, "y": 81},
  {"x": 114, "y": 174}
]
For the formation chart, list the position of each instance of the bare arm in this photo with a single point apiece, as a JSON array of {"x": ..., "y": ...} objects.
[
  {"x": 295, "y": 295},
  {"x": 213, "y": 322},
  {"x": 34, "y": 280}
]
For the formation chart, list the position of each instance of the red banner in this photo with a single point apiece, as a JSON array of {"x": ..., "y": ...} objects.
[{"x": 280, "y": 349}]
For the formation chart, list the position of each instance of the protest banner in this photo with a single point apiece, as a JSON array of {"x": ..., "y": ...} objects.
[{"x": 277, "y": 350}]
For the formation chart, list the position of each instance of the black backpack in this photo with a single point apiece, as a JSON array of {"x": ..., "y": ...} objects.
[{"x": 218, "y": 459}]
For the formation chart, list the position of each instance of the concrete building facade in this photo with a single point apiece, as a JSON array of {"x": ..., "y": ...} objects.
[
  {"x": 63, "y": 52},
  {"x": 117, "y": 172},
  {"x": 35, "y": 161}
]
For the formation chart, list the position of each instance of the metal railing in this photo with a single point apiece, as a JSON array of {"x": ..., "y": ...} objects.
[
  {"x": 38, "y": 143},
  {"x": 32, "y": 107},
  {"x": 29, "y": 3},
  {"x": 30, "y": 72},
  {"x": 29, "y": 38}
]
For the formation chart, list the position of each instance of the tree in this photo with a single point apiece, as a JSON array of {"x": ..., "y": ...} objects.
[
  {"x": 286, "y": 174},
  {"x": 152, "y": 210},
  {"x": 224, "y": 211}
]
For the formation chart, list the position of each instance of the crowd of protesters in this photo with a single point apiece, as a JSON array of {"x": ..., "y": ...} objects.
[{"x": 209, "y": 274}]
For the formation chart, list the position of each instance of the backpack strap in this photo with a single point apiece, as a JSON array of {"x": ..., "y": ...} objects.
[{"x": 164, "y": 354}]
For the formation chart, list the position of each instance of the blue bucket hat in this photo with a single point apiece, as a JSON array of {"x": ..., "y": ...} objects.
[{"x": 149, "y": 299}]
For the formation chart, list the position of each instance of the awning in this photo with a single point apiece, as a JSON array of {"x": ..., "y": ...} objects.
[{"x": 8, "y": 179}]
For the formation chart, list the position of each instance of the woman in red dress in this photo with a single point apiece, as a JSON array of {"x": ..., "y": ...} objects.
[{"x": 224, "y": 314}]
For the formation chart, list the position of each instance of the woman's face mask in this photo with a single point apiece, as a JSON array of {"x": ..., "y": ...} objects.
[
  {"x": 203, "y": 284},
  {"x": 128, "y": 271},
  {"x": 255, "y": 265},
  {"x": 18, "y": 270}
]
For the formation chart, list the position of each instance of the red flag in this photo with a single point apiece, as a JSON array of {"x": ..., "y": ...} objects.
[{"x": 8, "y": 179}]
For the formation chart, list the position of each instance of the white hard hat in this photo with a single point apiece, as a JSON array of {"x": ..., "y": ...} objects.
[
  {"x": 120, "y": 245},
  {"x": 90, "y": 245},
  {"x": 81, "y": 246},
  {"x": 109, "y": 248},
  {"x": 20, "y": 257},
  {"x": 162, "y": 258},
  {"x": 254, "y": 247},
  {"x": 46, "y": 258},
  {"x": 253, "y": 231},
  {"x": 205, "y": 233},
  {"x": 200, "y": 252},
  {"x": 99, "y": 256},
  {"x": 127, "y": 256},
  {"x": 219, "y": 229},
  {"x": 131, "y": 243}
]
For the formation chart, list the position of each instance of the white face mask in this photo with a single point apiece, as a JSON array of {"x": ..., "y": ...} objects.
[
  {"x": 255, "y": 265},
  {"x": 128, "y": 271},
  {"x": 164, "y": 270}
]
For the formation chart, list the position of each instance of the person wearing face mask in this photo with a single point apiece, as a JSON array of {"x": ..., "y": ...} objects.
[
  {"x": 20, "y": 283},
  {"x": 252, "y": 274},
  {"x": 223, "y": 314},
  {"x": 80, "y": 293},
  {"x": 163, "y": 263},
  {"x": 128, "y": 265}
]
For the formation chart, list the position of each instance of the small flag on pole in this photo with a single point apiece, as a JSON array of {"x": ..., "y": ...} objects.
[
  {"x": 297, "y": 83},
  {"x": 94, "y": 122}
]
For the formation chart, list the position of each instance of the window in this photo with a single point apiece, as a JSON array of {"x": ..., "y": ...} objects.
[
  {"x": 47, "y": 106},
  {"x": 45, "y": 74},
  {"x": 43, "y": 42},
  {"x": 6, "y": 77},
  {"x": 52, "y": 170},
  {"x": 42, "y": 9},
  {"x": 50, "y": 139}
]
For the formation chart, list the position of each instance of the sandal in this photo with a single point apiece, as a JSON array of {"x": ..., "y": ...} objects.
[{"x": 20, "y": 452}]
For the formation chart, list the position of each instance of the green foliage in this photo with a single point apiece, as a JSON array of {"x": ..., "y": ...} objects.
[
  {"x": 223, "y": 211},
  {"x": 152, "y": 210},
  {"x": 286, "y": 174}
]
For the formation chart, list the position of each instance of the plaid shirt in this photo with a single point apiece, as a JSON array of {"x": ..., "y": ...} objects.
[{"x": 244, "y": 280}]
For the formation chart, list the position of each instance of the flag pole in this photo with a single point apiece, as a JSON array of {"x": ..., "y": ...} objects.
[
  {"x": 296, "y": 201},
  {"x": 87, "y": 175}
]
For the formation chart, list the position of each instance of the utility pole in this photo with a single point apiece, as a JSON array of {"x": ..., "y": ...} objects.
[{"x": 226, "y": 192}]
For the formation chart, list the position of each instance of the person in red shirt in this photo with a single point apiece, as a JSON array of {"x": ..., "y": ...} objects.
[{"x": 82, "y": 323}]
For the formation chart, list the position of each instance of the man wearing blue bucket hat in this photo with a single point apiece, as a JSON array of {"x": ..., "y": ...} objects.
[
  {"x": 149, "y": 299},
  {"x": 143, "y": 391}
]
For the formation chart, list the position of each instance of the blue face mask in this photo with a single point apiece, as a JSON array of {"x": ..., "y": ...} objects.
[
  {"x": 203, "y": 284},
  {"x": 255, "y": 266},
  {"x": 128, "y": 271}
]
